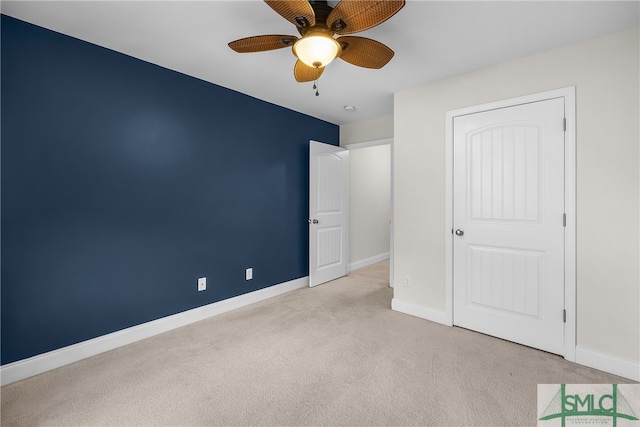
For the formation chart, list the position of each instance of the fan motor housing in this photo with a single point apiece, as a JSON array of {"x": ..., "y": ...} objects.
[{"x": 321, "y": 9}]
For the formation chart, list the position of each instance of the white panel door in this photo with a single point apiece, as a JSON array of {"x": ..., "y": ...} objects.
[
  {"x": 328, "y": 213},
  {"x": 508, "y": 274}
]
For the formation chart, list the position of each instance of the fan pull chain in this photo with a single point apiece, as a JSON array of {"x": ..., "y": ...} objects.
[{"x": 315, "y": 84}]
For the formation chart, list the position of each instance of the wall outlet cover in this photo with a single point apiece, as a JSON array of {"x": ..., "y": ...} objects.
[{"x": 202, "y": 284}]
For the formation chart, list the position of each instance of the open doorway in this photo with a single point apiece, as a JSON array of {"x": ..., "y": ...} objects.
[{"x": 370, "y": 201}]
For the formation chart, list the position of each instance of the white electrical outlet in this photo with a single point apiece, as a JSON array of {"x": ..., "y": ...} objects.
[
  {"x": 407, "y": 281},
  {"x": 248, "y": 274},
  {"x": 202, "y": 284}
]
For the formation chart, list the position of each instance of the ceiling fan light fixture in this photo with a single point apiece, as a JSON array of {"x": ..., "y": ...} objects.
[
  {"x": 317, "y": 49},
  {"x": 318, "y": 22}
]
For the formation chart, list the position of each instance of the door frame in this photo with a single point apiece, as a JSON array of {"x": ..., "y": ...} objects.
[
  {"x": 376, "y": 143},
  {"x": 569, "y": 95}
]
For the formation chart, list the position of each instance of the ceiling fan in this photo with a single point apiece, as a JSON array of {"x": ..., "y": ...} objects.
[{"x": 317, "y": 23}]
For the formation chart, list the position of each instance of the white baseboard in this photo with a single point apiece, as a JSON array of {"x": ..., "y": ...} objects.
[
  {"x": 35, "y": 365},
  {"x": 368, "y": 261},
  {"x": 608, "y": 363},
  {"x": 419, "y": 311}
]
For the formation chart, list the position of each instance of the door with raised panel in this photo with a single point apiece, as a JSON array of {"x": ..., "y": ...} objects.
[
  {"x": 328, "y": 212},
  {"x": 508, "y": 272}
]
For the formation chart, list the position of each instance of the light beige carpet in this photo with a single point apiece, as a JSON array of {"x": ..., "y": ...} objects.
[{"x": 331, "y": 355}]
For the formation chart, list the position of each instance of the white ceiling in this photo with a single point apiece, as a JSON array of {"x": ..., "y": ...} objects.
[{"x": 432, "y": 40}]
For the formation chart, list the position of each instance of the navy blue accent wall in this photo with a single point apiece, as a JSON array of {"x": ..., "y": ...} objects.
[{"x": 123, "y": 182}]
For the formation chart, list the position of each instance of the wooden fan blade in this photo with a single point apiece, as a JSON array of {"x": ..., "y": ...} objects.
[
  {"x": 304, "y": 73},
  {"x": 352, "y": 16},
  {"x": 364, "y": 52},
  {"x": 262, "y": 43},
  {"x": 298, "y": 12}
]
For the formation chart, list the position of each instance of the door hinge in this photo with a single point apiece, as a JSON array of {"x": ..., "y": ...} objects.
[
  {"x": 564, "y": 124},
  {"x": 564, "y": 316},
  {"x": 564, "y": 220}
]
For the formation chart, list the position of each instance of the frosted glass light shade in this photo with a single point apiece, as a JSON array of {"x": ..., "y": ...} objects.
[{"x": 316, "y": 50}]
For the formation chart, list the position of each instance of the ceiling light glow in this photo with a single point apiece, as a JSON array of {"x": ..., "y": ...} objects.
[{"x": 317, "y": 49}]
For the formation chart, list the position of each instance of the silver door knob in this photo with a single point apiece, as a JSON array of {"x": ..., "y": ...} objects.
[
  {"x": 459, "y": 232},
  {"x": 315, "y": 221}
]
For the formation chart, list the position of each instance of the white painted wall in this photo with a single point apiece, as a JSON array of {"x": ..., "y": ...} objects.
[
  {"x": 368, "y": 130},
  {"x": 369, "y": 202},
  {"x": 369, "y": 190},
  {"x": 606, "y": 74}
]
